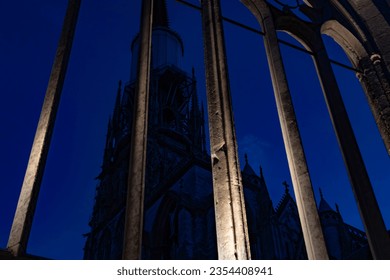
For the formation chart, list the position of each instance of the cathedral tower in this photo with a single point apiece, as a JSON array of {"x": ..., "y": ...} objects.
[{"x": 178, "y": 194}]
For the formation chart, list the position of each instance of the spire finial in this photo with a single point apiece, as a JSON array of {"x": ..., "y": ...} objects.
[
  {"x": 337, "y": 208},
  {"x": 246, "y": 158},
  {"x": 261, "y": 172},
  {"x": 160, "y": 14},
  {"x": 286, "y": 186}
]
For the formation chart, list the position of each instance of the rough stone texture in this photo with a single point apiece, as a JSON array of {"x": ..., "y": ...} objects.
[
  {"x": 137, "y": 169},
  {"x": 378, "y": 238},
  {"x": 231, "y": 224},
  {"x": 376, "y": 87},
  {"x": 21, "y": 226},
  {"x": 311, "y": 226},
  {"x": 375, "y": 18}
]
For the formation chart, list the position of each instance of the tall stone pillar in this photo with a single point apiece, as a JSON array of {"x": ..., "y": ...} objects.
[
  {"x": 230, "y": 214},
  {"x": 377, "y": 235},
  {"x": 310, "y": 222},
  {"x": 24, "y": 214},
  {"x": 137, "y": 166}
]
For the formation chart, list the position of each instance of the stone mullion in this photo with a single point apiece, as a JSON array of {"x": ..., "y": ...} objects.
[
  {"x": 137, "y": 164},
  {"x": 24, "y": 214},
  {"x": 231, "y": 224},
  {"x": 310, "y": 222},
  {"x": 378, "y": 238}
]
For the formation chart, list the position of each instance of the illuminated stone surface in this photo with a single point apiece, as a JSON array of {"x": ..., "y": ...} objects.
[
  {"x": 230, "y": 215},
  {"x": 311, "y": 226},
  {"x": 136, "y": 180},
  {"x": 21, "y": 227}
]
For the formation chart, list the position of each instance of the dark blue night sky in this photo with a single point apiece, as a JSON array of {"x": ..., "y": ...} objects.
[{"x": 29, "y": 32}]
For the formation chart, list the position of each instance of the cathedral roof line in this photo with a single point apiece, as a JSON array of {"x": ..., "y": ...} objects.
[{"x": 285, "y": 199}]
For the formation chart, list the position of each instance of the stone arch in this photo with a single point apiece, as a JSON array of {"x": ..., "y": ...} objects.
[
  {"x": 303, "y": 32},
  {"x": 371, "y": 76},
  {"x": 346, "y": 40}
]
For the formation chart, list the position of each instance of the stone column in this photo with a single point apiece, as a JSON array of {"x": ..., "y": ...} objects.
[
  {"x": 24, "y": 214},
  {"x": 377, "y": 88},
  {"x": 377, "y": 235},
  {"x": 137, "y": 166},
  {"x": 307, "y": 208},
  {"x": 230, "y": 214}
]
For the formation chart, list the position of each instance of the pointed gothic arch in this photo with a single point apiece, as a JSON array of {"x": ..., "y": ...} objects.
[
  {"x": 302, "y": 32},
  {"x": 351, "y": 45},
  {"x": 371, "y": 75}
]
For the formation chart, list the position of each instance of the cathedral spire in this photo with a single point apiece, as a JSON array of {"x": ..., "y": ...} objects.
[
  {"x": 160, "y": 14},
  {"x": 196, "y": 119}
]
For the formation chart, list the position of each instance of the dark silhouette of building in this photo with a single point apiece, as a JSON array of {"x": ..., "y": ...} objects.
[{"x": 179, "y": 220}]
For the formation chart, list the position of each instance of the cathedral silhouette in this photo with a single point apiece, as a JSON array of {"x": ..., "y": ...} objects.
[{"x": 179, "y": 219}]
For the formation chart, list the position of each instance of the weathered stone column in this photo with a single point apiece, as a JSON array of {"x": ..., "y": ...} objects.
[
  {"x": 377, "y": 88},
  {"x": 230, "y": 214},
  {"x": 137, "y": 166},
  {"x": 310, "y": 222},
  {"x": 378, "y": 238},
  {"x": 24, "y": 214}
]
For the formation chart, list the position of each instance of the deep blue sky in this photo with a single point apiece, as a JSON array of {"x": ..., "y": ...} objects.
[{"x": 29, "y": 32}]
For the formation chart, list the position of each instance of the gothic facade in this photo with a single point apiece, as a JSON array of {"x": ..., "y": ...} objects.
[{"x": 179, "y": 218}]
